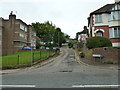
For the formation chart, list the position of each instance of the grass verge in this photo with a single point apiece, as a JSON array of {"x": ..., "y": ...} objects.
[{"x": 24, "y": 58}]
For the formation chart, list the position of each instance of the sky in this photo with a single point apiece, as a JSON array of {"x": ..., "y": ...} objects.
[{"x": 69, "y": 15}]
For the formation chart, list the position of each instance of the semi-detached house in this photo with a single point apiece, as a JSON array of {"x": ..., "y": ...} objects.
[
  {"x": 105, "y": 22},
  {"x": 14, "y": 34}
]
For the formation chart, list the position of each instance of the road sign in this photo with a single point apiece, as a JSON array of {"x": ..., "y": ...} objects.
[
  {"x": 32, "y": 43},
  {"x": 83, "y": 36}
]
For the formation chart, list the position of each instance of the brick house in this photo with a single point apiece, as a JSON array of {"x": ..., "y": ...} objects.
[
  {"x": 83, "y": 35},
  {"x": 105, "y": 22},
  {"x": 15, "y": 34}
]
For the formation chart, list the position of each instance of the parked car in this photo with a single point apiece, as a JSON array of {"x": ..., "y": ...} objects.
[
  {"x": 56, "y": 48},
  {"x": 26, "y": 48},
  {"x": 47, "y": 48}
]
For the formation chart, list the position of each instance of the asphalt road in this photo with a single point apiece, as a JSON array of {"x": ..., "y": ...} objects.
[{"x": 63, "y": 72}]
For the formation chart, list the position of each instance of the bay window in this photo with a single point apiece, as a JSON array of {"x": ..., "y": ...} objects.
[
  {"x": 115, "y": 15},
  {"x": 114, "y": 32}
]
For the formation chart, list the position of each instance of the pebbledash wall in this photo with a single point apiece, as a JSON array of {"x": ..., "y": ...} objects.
[{"x": 111, "y": 54}]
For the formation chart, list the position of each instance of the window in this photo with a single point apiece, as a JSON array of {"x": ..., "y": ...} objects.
[
  {"x": 114, "y": 32},
  {"x": 25, "y": 29},
  {"x": 21, "y": 27},
  {"x": 21, "y": 35},
  {"x": 115, "y": 15},
  {"x": 98, "y": 18},
  {"x": 99, "y": 33},
  {"x": 116, "y": 7}
]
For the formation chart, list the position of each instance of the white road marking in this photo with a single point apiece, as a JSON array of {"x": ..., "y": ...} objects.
[
  {"x": 94, "y": 86},
  {"x": 17, "y": 86}
]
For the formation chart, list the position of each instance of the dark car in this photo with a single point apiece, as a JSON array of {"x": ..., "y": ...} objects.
[{"x": 26, "y": 48}]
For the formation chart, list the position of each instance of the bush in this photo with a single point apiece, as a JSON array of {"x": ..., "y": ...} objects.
[
  {"x": 95, "y": 42},
  {"x": 71, "y": 43}
]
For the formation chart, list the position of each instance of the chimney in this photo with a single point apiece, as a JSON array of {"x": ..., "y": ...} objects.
[
  {"x": 85, "y": 27},
  {"x": 12, "y": 16}
]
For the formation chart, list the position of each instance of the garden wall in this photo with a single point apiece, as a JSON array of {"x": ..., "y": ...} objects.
[{"x": 111, "y": 54}]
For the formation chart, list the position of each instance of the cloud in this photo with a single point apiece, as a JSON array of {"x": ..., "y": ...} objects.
[
  {"x": 10, "y": 1},
  {"x": 69, "y": 15}
]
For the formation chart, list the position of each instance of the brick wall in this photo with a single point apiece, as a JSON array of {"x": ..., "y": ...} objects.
[
  {"x": 110, "y": 54},
  {"x": 105, "y": 28}
]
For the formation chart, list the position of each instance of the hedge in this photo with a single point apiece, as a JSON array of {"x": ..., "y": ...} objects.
[{"x": 96, "y": 42}]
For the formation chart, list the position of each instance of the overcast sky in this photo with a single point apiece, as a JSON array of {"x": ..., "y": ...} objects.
[{"x": 70, "y": 15}]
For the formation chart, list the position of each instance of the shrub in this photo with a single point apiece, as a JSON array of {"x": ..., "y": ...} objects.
[{"x": 95, "y": 42}]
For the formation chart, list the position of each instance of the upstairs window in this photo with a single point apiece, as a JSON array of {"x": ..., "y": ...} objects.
[
  {"x": 25, "y": 29},
  {"x": 98, "y": 18},
  {"x": 114, "y": 32},
  {"x": 21, "y": 27},
  {"x": 115, "y": 15}
]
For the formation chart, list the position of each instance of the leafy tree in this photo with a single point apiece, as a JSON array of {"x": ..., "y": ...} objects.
[
  {"x": 71, "y": 43},
  {"x": 38, "y": 44},
  {"x": 95, "y": 42},
  {"x": 48, "y": 33}
]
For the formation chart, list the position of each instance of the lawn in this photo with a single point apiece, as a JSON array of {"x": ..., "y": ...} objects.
[{"x": 24, "y": 58}]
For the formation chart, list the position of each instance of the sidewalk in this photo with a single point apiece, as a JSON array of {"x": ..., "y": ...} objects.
[{"x": 95, "y": 64}]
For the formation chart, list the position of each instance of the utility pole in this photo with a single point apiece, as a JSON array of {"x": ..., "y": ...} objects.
[{"x": 58, "y": 40}]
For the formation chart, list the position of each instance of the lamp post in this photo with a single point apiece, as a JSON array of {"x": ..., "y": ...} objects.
[{"x": 31, "y": 48}]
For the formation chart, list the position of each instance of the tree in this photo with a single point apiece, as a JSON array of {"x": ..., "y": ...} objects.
[
  {"x": 48, "y": 33},
  {"x": 95, "y": 42}
]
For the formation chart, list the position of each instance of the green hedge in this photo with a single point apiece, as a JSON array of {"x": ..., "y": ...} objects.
[{"x": 96, "y": 42}]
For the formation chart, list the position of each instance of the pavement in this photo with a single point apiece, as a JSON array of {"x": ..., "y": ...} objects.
[
  {"x": 95, "y": 64},
  {"x": 83, "y": 61}
]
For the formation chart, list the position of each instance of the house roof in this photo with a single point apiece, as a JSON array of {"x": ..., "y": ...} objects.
[{"x": 104, "y": 9}]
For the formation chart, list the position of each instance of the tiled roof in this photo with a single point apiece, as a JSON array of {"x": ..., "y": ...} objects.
[{"x": 104, "y": 9}]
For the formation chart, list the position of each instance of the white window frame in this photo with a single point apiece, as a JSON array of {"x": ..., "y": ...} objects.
[
  {"x": 114, "y": 32},
  {"x": 25, "y": 29},
  {"x": 21, "y": 27},
  {"x": 115, "y": 15},
  {"x": 98, "y": 18}
]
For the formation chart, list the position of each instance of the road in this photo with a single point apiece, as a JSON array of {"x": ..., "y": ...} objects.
[{"x": 63, "y": 72}]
